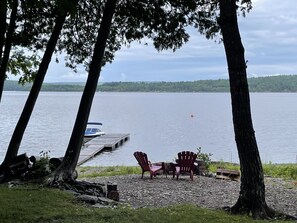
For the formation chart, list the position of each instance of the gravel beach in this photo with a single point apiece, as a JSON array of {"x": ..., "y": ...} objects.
[{"x": 206, "y": 192}]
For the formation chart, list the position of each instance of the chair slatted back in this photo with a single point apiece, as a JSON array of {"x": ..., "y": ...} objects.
[
  {"x": 142, "y": 160},
  {"x": 186, "y": 160}
]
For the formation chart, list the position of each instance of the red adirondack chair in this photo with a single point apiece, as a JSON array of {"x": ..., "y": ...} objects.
[
  {"x": 146, "y": 165},
  {"x": 185, "y": 163}
]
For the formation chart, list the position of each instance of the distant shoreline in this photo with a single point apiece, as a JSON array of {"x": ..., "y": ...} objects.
[{"x": 268, "y": 84}]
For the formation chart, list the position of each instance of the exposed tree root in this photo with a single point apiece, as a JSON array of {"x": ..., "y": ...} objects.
[
  {"x": 65, "y": 181},
  {"x": 83, "y": 187},
  {"x": 263, "y": 212}
]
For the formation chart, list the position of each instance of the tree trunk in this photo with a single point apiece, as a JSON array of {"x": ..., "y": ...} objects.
[
  {"x": 3, "y": 11},
  {"x": 20, "y": 128},
  {"x": 251, "y": 199},
  {"x": 66, "y": 169},
  {"x": 8, "y": 43}
]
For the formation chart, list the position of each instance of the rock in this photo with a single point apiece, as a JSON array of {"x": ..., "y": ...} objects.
[
  {"x": 113, "y": 195},
  {"x": 106, "y": 201},
  {"x": 97, "y": 205},
  {"x": 87, "y": 199},
  {"x": 72, "y": 192}
]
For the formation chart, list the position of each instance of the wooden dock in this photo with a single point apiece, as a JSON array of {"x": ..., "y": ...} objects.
[{"x": 98, "y": 144}]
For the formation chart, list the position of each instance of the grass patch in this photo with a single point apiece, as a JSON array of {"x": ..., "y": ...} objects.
[
  {"x": 90, "y": 172},
  {"x": 32, "y": 204},
  {"x": 285, "y": 171},
  {"x": 223, "y": 165}
]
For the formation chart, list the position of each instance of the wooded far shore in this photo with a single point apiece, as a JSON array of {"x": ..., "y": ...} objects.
[{"x": 281, "y": 83}]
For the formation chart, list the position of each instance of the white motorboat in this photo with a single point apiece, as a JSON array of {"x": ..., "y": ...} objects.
[{"x": 94, "y": 129}]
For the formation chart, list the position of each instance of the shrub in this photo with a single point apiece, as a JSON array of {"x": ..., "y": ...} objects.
[
  {"x": 42, "y": 166},
  {"x": 204, "y": 157}
]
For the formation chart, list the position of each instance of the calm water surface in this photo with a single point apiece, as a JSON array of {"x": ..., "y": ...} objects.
[{"x": 160, "y": 124}]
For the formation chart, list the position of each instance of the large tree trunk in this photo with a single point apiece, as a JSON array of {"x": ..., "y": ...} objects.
[
  {"x": 3, "y": 11},
  {"x": 20, "y": 128},
  {"x": 8, "y": 42},
  {"x": 67, "y": 168},
  {"x": 252, "y": 191}
]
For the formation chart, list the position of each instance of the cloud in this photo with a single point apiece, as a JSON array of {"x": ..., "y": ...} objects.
[{"x": 269, "y": 36}]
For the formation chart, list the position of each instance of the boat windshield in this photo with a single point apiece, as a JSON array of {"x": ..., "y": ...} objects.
[{"x": 92, "y": 130}]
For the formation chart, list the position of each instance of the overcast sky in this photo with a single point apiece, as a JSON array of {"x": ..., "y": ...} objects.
[{"x": 269, "y": 36}]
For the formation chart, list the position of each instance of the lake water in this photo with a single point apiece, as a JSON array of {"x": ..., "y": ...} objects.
[{"x": 160, "y": 124}]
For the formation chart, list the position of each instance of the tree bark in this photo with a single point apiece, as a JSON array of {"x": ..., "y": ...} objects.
[
  {"x": 251, "y": 199},
  {"x": 3, "y": 11},
  {"x": 8, "y": 42},
  {"x": 20, "y": 128},
  {"x": 65, "y": 172}
]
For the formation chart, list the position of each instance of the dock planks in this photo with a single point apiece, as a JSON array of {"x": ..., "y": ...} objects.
[{"x": 98, "y": 144}]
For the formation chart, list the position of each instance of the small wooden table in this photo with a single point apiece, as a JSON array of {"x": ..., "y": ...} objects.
[{"x": 168, "y": 167}]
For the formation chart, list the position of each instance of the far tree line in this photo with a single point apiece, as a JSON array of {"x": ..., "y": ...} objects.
[{"x": 281, "y": 83}]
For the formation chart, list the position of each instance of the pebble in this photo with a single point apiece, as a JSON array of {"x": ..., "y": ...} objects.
[{"x": 206, "y": 192}]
